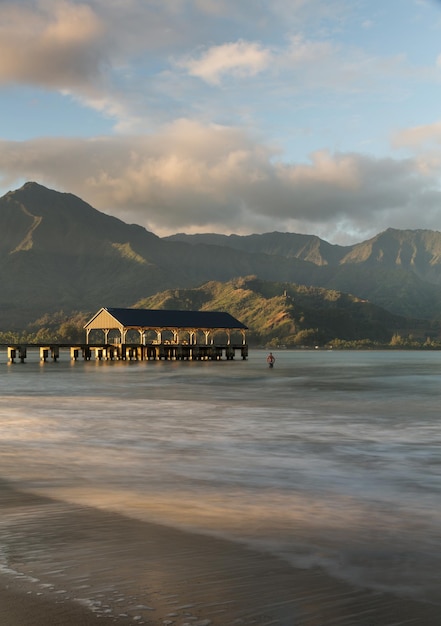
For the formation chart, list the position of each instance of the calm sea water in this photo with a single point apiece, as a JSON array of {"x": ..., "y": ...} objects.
[{"x": 331, "y": 459}]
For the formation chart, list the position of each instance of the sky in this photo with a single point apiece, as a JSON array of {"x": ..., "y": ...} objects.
[{"x": 228, "y": 116}]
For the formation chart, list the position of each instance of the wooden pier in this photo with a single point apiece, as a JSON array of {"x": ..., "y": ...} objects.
[
  {"x": 126, "y": 352},
  {"x": 177, "y": 336}
]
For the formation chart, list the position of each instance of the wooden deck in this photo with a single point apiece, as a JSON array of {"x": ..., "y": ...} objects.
[{"x": 127, "y": 352}]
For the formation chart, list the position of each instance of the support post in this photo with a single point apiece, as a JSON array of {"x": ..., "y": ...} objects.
[{"x": 229, "y": 352}]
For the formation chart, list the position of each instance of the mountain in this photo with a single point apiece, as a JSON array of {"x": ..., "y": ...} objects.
[
  {"x": 291, "y": 245},
  {"x": 414, "y": 251},
  {"x": 57, "y": 253},
  {"x": 399, "y": 270}
]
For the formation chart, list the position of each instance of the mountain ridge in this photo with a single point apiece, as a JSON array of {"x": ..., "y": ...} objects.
[
  {"x": 389, "y": 248},
  {"x": 59, "y": 253}
]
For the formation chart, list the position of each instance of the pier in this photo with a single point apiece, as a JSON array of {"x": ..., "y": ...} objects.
[
  {"x": 18, "y": 353},
  {"x": 148, "y": 335}
]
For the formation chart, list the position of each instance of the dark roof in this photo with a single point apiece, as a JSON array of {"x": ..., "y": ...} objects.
[{"x": 158, "y": 318}]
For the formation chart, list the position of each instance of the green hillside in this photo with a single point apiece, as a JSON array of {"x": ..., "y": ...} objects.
[
  {"x": 288, "y": 314},
  {"x": 276, "y": 313}
]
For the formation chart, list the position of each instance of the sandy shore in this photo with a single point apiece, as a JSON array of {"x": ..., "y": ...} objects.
[{"x": 65, "y": 565}]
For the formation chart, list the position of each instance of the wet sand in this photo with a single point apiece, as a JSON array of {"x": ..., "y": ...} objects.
[{"x": 67, "y": 565}]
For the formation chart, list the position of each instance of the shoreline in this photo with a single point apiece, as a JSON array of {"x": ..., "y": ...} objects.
[{"x": 69, "y": 565}]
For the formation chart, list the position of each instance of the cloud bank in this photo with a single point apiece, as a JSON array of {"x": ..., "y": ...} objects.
[{"x": 194, "y": 178}]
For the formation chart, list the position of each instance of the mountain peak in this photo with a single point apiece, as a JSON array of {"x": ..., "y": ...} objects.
[
  {"x": 34, "y": 187},
  {"x": 37, "y": 195},
  {"x": 31, "y": 184}
]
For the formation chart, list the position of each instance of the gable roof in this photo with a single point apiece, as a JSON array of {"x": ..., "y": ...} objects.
[{"x": 159, "y": 318}]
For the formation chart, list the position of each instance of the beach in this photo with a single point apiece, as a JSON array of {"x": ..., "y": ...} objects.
[
  {"x": 221, "y": 494},
  {"x": 69, "y": 565}
]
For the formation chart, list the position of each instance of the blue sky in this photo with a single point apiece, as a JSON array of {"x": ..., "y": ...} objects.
[{"x": 232, "y": 116}]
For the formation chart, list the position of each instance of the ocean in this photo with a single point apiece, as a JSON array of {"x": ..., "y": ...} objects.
[{"x": 330, "y": 460}]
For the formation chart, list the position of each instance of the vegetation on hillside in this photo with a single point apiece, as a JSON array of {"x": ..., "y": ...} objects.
[
  {"x": 56, "y": 327},
  {"x": 277, "y": 314},
  {"x": 296, "y": 315}
]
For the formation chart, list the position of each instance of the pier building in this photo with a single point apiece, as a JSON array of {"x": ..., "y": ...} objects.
[{"x": 169, "y": 334}]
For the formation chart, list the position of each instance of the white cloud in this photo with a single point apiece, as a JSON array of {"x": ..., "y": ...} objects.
[
  {"x": 418, "y": 136},
  {"x": 239, "y": 59},
  {"x": 302, "y": 51}
]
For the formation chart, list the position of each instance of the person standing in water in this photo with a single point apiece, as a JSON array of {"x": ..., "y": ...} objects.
[{"x": 270, "y": 359}]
